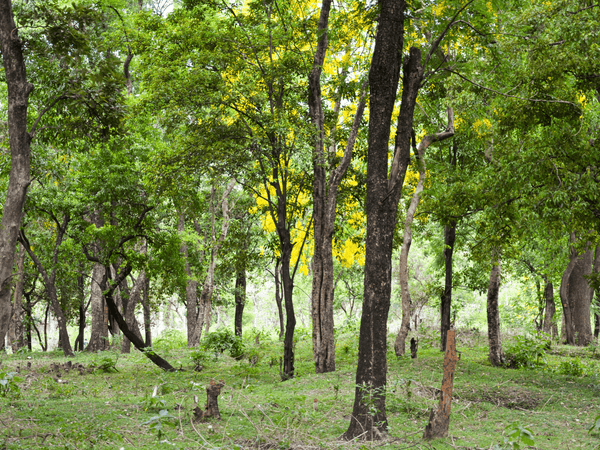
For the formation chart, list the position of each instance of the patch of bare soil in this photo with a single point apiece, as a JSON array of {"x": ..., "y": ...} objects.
[{"x": 504, "y": 397}]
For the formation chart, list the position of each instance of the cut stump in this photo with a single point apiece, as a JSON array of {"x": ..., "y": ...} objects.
[
  {"x": 212, "y": 407},
  {"x": 439, "y": 420}
]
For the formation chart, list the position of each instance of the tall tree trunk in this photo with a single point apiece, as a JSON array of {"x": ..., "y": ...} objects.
[
  {"x": 129, "y": 306},
  {"x": 496, "y": 355},
  {"x": 368, "y": 419},
  {"x": 446, "y": 300},
  {"x": 99, "y": 334},
  {"x": 16, "y": 332},
  {"x": 20, "y": 156},
  {"x": 289, "y": 369},
  {"x": 79, "y": 341},
  {"x": 147, "y": 318},
  {"x": 576, "y": 296},
  {"x": 240, "y": 299}
]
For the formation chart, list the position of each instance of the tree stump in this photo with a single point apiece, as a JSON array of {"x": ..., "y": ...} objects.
[
  {"x": 414, "y": 346},
  {"x": 439, "y": 420},
  {"x": 212, "y": 407}
]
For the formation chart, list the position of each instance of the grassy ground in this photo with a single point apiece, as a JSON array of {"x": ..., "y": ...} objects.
[{"x": 53, "y": 408}]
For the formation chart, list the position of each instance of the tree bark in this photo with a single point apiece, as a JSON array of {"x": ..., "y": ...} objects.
[
  {"x": 576, "y": 296},
  {"x": 147, "y": 317},
  {"x": 129, "y": 311},
  {"x": 99, "y": 334},
  {"x": 20, "y": 153},
  {"x": 278, "y": 298},
  {"x": 446, "y": 300},
  {"x": 240, "y": 299},
  {"x": 496, "y": 355},
  {"x": 369, "y": 420},
  {"x": 549, "y": 326},
  {"x": 191, "y": 286}
]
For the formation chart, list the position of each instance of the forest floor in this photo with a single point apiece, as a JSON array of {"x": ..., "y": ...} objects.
[{"x": 51, "y": 407}]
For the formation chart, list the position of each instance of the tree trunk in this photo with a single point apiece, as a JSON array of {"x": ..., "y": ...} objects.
[
  {"x": 20, "y": 156},
  {"x": 147, "y": 318},
  {"x": 79, "y": 341},
  {"x": 99, "y": 335},
  {"x": 446, "y": 301},
  {"x": 289, "y": 370},
  {"x": 191, "y": 286},
  {"x": 278, "y": 298},
  {"x": 496, "y": 356},
  {"x": 576, "y": 296},
  {"x": 16, "y": 330},
  {"x": 129, "y": 311},
  {"x": 240, "y": 299},
  {"x": 368, "y": 419},
  {"x": 549, "y": 323}
]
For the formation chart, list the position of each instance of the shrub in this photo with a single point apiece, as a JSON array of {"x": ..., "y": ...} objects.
[
  {"x": 528, "y": 352},
  {"x": 8, "y": 384},
  {"x": 571, "y": 367},
  {"x": 170, "y": 340},
  {"x": 224, "y": 340}
]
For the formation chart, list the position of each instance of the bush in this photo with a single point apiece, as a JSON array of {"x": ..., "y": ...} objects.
[
  {"x": 572, "y": 367},
  {"x": 224, "y": 340},
  {"x": 528, "y": 352},
  {"x": 170, "y": 340}
]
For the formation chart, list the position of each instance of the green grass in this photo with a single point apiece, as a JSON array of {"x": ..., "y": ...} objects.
[{"x": 109, "y": 409}]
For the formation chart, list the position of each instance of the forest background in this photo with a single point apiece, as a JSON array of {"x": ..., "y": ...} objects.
[{"x": 197, "y": 157}]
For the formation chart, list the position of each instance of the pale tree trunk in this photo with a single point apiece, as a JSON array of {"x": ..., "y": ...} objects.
[
  {"x": 16, "y": 330},
  {"x": 496, "y": 355},
  {"x": 20, "y": 158},
  {"x": 576, "y": 296},
  {"x": 400, "y": 343},
  {"x": 99, "y": 334},
  {"x": 204, "y": 311}
]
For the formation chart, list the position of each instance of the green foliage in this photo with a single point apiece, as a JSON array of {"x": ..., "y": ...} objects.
[
  {"x": 528, "y": 352},
  {"x": 224, "y": 340},
  {"x": 8, "y": 384},
  {"x": 595, "y": 428},
  {"x": 105, "y": 363},
  {"x": 516, "y": 435},
  {"x": 199, "y": 357},
  {"x": 572, "y": 367},
  {"x": 170, "y": 340},
  {"x": 157, "y": 423}
]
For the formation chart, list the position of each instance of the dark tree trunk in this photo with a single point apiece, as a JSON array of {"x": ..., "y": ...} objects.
[
  {"x": 20, "y": 157},
  {"x": 129, "y": 311},
  {"x": 368, "y": 419},
  {"x": 79, "y": 341},
  {"x": 278, "y": 298},
  {"x": 496, "y": 355},
  {"x": 240, "y": 300},
  {"x": 108, "y": 287},
  {"x": 549, "y": 326},
  {"x": 288, "y": 289},
  {"x": 147, "y": 319},
  {"x": 446, "y": 301}
]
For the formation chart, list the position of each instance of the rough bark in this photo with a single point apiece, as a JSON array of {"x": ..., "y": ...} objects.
[
  {"x": 496, "y": 355},
  {"x": 549, "y": 325},
  {"x": 278, "y": 298},
  {"x": 147, "y": 316},
  {"x": 79, "y": 341},
  {"x": 240, "y": 299},
  {"x": 400, "y": 343},
  {"x": 20, "y": 155},
  {"x": 439, "y": 419},
  {"x": 369, "y": 420},
  {"x": 129, "y": 306},
  {"x": 576, "y": 296},
  {"x": 99, "y": 334},
  {"x": 212, "y": 406},
  {"x": 446, "y": 300}
]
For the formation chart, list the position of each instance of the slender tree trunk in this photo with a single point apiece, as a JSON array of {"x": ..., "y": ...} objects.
[
  {"x": 16, "y": 329},
  {"x": 99, "y": 334},
  {"x": 289, "y": 369},
  {"x": 147, "y": 318},
  {"x": 79, "y": 341},
  {"x": 279, "y": 298},
  {"x": 446, "y": 301},
  {"x": 191, "y": 287},
  {"x": 549, "y": 323},
  {"x": 19, "y": 139},
  {"x": 496, "y": 355},
  {"x": 240, "y": 299},
  {"x": 129, "y": 311}
]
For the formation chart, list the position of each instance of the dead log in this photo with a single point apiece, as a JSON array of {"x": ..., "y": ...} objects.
[
  {"x": 439, "y": 420},
  {"x": 212, "y": 407}
]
